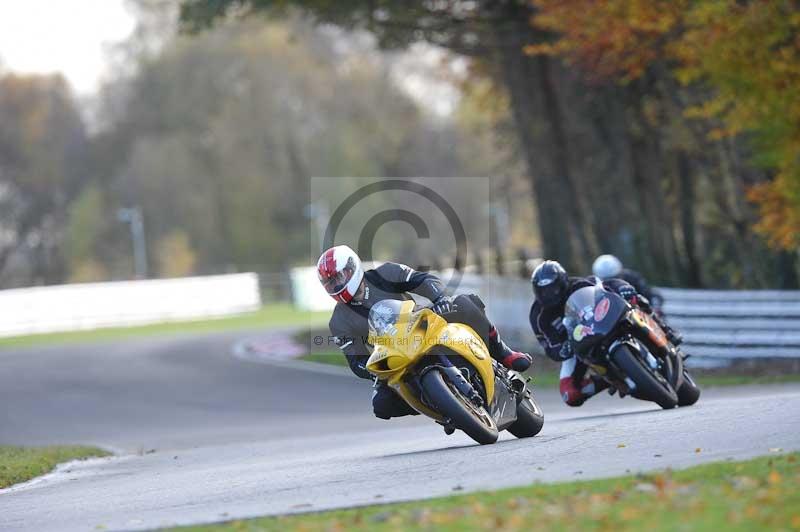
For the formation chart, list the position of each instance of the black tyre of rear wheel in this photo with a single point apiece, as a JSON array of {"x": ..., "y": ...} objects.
[
  {"x": 530, "y": 419},
  {"x": 689, "y": 392}
]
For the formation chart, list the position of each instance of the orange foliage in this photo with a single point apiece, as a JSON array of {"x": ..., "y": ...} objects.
[
  {"x": 747, "y": 52},
  {"x": 615, "y": 39},
  {"x": 779, "y": 212}
]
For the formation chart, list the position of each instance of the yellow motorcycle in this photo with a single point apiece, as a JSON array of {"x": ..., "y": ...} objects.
[{"x": 444, "y": 370}]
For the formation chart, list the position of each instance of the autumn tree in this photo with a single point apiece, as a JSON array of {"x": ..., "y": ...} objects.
[
  {"x": 491, "y": 31},
  {"x": 733, "y": 68},
  {"x": 217, "y": 138},
  {"x": 44, "y": 162}
]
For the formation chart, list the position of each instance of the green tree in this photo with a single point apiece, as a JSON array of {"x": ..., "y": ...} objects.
[
  {"x": 175, "y": 256},
  {"x": 496, "y": 33},
  {"x": 44, "y": 161},
  {"x": 614, "y": 161},
  {"x": 86, "y": 226},
  {"x": 220, "y": 133}
]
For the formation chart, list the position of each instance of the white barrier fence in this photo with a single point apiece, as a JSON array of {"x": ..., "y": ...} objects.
[
  {"x": 736, "y": 323},
  {"x": 716, "y": 324},
  {"x": 307, "y": 292},
  {"x": 125, "y": 303}
]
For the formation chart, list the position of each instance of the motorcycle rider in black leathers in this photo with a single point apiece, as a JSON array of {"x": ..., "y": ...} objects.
[
  {"x": 610, "y": 267},
  {"x": 340, "y": 271},
  {"x": 552, "y": 287}
]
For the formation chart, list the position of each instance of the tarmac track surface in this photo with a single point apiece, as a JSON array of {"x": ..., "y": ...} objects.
[{"x": 204, "y": 436}]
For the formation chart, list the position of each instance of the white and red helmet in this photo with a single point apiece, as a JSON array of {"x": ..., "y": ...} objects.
[{"x": 340, "y": 272}]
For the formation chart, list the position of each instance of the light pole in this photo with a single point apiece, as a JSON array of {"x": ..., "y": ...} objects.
[
  {"x": 133, "y": 217},
  {"x": 319, "y": 214}
]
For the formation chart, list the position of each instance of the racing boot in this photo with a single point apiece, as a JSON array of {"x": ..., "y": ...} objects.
[
  {"x": 575, "y": 395},
  {"x": 515, "y": 360}
]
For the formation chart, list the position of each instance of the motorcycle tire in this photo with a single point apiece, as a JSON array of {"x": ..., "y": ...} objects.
[
  {"x": 530, "y": 419},
  {"x": 475, "y": 421},
  {"x": 689, "y": 392},
  {"x": 647, "y": 386}
]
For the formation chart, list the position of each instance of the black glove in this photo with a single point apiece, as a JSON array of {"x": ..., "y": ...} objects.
[
  {"x": 644, "y": 304},
  {"x": 443, "y": 305},
  {"x": 566, "y": 351},
  {"x": 627, "y": 292}
]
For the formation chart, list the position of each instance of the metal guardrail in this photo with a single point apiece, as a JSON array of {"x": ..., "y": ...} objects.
[
  {"x": 736, "y": 324},
  {"x": 716, "y": 324}
]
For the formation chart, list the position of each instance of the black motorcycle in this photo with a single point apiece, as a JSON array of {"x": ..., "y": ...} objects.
[{"x": 627, "y": 348}]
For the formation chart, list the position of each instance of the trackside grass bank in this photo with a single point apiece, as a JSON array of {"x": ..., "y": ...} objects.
[
  {"x": 18, "y": 464},
  {"x": 757, "y": 494},
  {"x": 272, "y": 315}
]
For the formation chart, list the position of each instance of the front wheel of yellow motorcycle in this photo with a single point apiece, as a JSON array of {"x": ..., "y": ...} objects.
[{"x": 474, "y": 420}]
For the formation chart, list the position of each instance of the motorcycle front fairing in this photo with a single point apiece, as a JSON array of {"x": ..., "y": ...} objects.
[
  {"x": 402, "y": 335},
  {"x": 597, "y": 320},
  {"x": 590, "y": 315}
]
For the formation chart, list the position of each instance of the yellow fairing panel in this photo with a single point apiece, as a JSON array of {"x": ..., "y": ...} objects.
[
  {"x": 393, "y": 353},
  {"x": 464, "y": 341},
  {"x": 413, "y": 336}
]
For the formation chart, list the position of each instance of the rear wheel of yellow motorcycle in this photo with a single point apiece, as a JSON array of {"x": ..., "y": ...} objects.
[
  {"x": 530, "y": 419},
  {"x": 475, "y": 421}
]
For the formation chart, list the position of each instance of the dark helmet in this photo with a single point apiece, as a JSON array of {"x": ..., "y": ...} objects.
[{"x": 550, "y": 282}]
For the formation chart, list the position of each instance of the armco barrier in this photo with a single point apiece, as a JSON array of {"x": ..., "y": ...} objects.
[
  {"x": 716, "y": 324},
  {"x": 721, "y": 324},
  {"x": 125, "y": 303},
  {"x": 736, "y": 323}
]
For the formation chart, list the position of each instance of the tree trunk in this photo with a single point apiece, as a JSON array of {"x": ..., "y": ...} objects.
[
  {"x": 517, "y": 71},
  {"x": 787, "y": 271},
  {"x": 580, "y": 216},
  {"x": 539, "y": 124},
  {"x": 688, "y": 224}
]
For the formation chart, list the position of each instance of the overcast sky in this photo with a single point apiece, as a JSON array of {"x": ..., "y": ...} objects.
[
  {"x": 72, "y": 37},
  {"x": 68, "y": 36}
]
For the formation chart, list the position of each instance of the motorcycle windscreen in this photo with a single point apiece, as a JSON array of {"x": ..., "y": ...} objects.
[
  {"x": 383, "y": 317},
  {"x": 391, "y": 324},
  {"x": 590, "y": 314}
]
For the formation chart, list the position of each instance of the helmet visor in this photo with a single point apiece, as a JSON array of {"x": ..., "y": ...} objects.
[
  {"x": 549, "y": 291},
  {"x": 337, "y": 282}
]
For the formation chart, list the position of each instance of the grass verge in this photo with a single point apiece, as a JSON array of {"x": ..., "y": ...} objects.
[
  {"x": 18, "y": 464},
  {"x": 752, "y": 495},
  {"x": 272, "y": 315}
]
